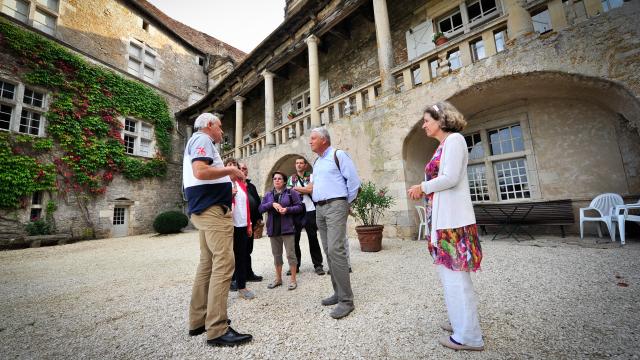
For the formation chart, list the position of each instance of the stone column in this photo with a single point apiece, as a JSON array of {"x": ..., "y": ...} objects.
[
  {"x": 519, "y": 20},
  {"x": 314, "y": 79},
  {"x": 269, "y": 107},
  {"x": 385, "y": 49},
  {"x": 239, "y": 100}
]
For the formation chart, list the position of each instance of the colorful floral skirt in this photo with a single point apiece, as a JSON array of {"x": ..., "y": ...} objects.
[{"x": 458, "y": 249}]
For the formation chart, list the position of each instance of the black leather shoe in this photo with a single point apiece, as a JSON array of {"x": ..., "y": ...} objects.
[
  {"x": 230, "y": 338},
  {"x": 254, "y": 278},
  {"x": 196, "y": 332},
  {"x": 233, "y": 286}
]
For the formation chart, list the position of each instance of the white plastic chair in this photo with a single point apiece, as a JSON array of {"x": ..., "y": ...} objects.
[
  {"x": 422, "y": 213},
  {"x": 622, "y": 213},
  {"x": 604, "y": 204}
]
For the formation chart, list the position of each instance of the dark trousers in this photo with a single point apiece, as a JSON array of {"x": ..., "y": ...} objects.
[
  {"x": 312, "y": 233},
  {"x": 241, "y": 254}
]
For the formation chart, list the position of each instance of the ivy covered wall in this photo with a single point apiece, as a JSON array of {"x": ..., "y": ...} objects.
[{"x": 83, "y": 150}]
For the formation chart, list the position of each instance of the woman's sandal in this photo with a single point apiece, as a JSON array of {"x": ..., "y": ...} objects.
[
  {"x": 274, "y": 285},
  {"x": 292, "y": 286}
]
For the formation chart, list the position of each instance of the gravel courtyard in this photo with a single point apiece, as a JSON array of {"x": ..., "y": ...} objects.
[{"x": 128, "y": 298}]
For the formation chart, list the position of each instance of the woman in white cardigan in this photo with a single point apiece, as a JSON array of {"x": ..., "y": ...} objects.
[{"x": 452, "y": 235}]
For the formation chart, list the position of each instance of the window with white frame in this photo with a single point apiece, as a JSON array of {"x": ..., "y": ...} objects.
[
  {"x": 118, "y": 215},
  {"x": 301, "y": 102},
  {"x": 467, "y": 15},
  {"x": 7, "y": 104},
  {"x": 138, "y": 138},
  {"x": 21, "y": 109},
  {"x": 481, "y": 9},
  {"x": 611, "y": 4},
  {"x": 18, "y": 9},
  {"x": 41, "y": 14},
  {"x": 36, "y": 206},
  {"x": 433, "y": 67},
  {"x": 500, "y": 38},
  {"x": 451, "y": 23},
  {"x": 502, "y": 158},
  {"x": 541, "y": 20},
  {"x": 142, "y": 61},
  {"x": 477, "y": 50},
  {"x": 454, "y": 59}
]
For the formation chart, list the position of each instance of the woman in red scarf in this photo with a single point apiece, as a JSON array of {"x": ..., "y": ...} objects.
[{"x": 241, "y": 231}]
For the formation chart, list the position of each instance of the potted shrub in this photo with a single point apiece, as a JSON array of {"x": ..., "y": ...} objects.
[
  {"x": 291, "y": 115},
  {"x": 367, "y": 209},
  {"x": 439, "y": 38}
]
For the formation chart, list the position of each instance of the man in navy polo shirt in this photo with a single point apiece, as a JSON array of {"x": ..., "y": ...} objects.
[{"x": 207, "y": 187}]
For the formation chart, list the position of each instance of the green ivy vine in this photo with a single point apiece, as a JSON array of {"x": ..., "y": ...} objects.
[{"x": 82, "y": 122}]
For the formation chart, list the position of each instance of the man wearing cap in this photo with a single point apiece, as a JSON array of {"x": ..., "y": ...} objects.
[
  {"x": 207, "y": 187},
  {"x": 335, "y": 184}
]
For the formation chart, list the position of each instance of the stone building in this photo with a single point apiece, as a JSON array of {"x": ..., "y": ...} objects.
[
  {"x": 549, "y": 88},
  {"x": 140, "y": 43}
]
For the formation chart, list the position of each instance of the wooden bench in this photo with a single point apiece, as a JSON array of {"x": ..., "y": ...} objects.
[{"x": 512, "y": 216}]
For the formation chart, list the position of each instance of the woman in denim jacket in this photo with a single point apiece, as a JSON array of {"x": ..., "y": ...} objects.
[{"x": 280, "y": 204}]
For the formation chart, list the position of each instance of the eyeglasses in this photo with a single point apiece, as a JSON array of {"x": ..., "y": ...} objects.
[{"x": 279, "y": 179}]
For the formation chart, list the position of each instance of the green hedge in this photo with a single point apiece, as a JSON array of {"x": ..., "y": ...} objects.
[{"x": 170, "y": 222}]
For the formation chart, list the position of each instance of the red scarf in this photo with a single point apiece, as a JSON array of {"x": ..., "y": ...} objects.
[{"x": 243, "y": 186}]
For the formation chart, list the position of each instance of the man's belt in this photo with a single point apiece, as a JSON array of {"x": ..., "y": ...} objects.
[{"x": 324, "y": 202}]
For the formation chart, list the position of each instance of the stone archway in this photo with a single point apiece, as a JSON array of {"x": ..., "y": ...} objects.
[
  {"x": 285, "y": 164},
  {"x": 580, "y": 134}
]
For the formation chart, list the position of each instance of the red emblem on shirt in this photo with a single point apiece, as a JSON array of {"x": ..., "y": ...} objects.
[{"x": 200, "y": 151}]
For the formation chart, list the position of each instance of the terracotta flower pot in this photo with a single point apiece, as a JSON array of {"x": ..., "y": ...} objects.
[
  {"x": 441, "y": 40},
  {"x": 370, "y": 237}
]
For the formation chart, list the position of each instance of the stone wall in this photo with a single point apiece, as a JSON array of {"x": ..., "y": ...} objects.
[
  {"x": 104, "y": 28},
  {"x": 353, "y": 61}
]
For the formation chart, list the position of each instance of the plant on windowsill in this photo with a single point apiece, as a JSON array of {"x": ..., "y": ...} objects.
[
  {"x": 367, "y": 209},
  {"x": 439, "y": 38},
  {"x": 291, "y": 115}
]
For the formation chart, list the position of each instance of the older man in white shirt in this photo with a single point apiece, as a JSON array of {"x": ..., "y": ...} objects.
[{"x": 335, "y": 185}]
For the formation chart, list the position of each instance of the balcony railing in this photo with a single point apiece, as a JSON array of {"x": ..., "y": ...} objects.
[{"x": 292, "y": 129}]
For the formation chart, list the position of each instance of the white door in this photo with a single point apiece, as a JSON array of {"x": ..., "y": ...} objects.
[
  {"x": 120, "y": 221},
  {"x": 419, "y": 40}
]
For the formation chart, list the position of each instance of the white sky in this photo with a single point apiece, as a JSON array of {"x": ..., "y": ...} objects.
[{"x": 240, "y": 23}]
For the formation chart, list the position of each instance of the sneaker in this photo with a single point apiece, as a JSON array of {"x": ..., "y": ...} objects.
[
  {"x": 319, "y": 270},
  {"x": 246, "y": 294},
  {"x": 233, "y": 286}
]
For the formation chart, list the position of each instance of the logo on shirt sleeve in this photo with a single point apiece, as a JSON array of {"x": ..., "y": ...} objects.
[{"x": 201, "y": 151}]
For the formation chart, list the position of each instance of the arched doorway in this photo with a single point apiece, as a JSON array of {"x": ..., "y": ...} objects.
[{"x": 287, "y": 165}]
